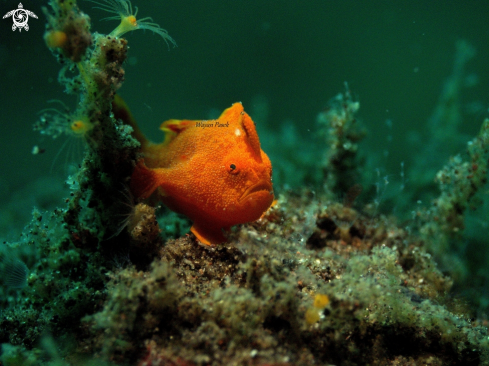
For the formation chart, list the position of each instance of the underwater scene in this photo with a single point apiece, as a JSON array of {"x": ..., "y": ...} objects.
[{"x": 193, "y": 183}]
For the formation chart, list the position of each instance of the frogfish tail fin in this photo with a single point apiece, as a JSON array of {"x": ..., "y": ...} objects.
[
  {"x": 144, "y": 181},
  {"x": 121, "y": 111}
]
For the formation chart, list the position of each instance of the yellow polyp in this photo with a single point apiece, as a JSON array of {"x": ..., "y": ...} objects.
[
  {"x": 55, "y": 39},
  {"x": 128, "y": 20},
  {"x": 312, "y": 316},
  {"x": 131, "y": 19},
  {"x": 80, "y": 127},
  {"x": 321, "y": 301},
  {"x": 77, "y": 127},
  {"x": 128, "y": 24}
]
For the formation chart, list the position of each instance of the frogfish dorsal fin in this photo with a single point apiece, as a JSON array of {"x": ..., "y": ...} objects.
[
  {"x": 253, "y": 140},
  {"x": 232, "y": 113},
  {"x": 236, "y": 113}
]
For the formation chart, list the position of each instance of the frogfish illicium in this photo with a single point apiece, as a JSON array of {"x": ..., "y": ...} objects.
[{"x": 212, "y": 171}]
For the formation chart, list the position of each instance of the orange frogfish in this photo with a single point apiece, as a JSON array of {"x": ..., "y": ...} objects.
[{"x": 212, "y": 171}]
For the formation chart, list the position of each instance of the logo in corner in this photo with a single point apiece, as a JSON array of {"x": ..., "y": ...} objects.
[{"x": 20, "y": 17}]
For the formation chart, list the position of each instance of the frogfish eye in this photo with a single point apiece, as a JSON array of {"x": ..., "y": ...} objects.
[{"x": 233, "y": 169}]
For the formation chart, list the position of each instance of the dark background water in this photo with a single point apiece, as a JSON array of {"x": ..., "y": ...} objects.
[{"x": 289, "y": 57}]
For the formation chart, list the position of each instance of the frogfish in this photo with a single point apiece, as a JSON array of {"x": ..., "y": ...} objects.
[{"x": 212, "y": 171}]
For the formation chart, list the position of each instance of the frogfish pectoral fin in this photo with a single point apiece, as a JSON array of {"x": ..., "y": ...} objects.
[{"x": 207, "y": 235}]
